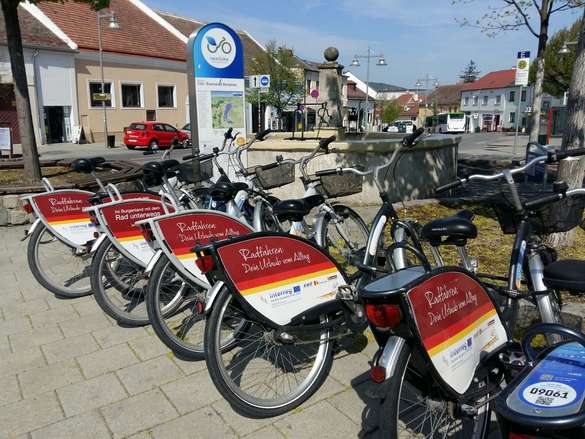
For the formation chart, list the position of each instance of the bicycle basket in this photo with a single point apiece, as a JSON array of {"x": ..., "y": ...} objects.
[
  {"x": 560, "y": 216},
  {"x": 276, "y": 176},
  {"x": 341, "y": 185},
  {"x": 186, "y": 171}
]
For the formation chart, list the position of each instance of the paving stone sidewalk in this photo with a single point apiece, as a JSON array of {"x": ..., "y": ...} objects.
[{"x": 68, "y": 371}]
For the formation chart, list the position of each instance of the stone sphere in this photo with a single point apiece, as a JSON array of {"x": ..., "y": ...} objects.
[{"x": 331, "y": 54}]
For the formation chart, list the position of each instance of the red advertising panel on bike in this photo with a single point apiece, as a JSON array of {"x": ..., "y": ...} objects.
[
  {"x": 184, "y": 231},
  {"x": 120, "y": 217},
  {"x": 458, "y": 323},
  {"x": 62, "y": 212},
  {"x": 280, "y": 276}
]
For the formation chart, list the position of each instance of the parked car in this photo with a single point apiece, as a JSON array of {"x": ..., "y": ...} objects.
[{"x": 153, "y": 135}]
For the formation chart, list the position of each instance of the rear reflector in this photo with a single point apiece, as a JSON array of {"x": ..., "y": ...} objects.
[
  {"x": 27, "y": 207},
  {"x": 383, "y": 315},
  {"x": 520, "y": 436},
  {"x": 378, "y": 374},
  {"x": 205, "y": 263}
]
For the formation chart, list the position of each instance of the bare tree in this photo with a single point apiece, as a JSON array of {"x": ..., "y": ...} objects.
[
  {"x": 573, "y": 171},
  {"x": 533, "y": 15}
]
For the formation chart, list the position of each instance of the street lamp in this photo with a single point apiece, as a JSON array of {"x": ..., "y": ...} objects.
[
  {"x": 565, "y": 49},
  {"x": 113, "y": 24},
  {"x": 426, "y": 80},
  {"x": 355, "y": 62}
]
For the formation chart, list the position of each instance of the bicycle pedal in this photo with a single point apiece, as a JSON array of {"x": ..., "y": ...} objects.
[{"x": 347, "y": 293}]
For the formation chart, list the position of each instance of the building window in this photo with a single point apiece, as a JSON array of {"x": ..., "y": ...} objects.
[
  {"x": 308, "y": 85},
  {"x": 485, "y": 100},
  {"x": 166, "y": 96},
  {"x": 475, "y": 100},
  {"x": 512, "y": 97},
  {"x": 512, "y": 118},
  {"x": 498, "y": 99},
  {"x": 467, "y": 100},
  {"x": 131, "y": 95},
  {"x": 96, "y": 87},
  {"x": 317, "y": 85},
  {"x": 523, "y": 96}
]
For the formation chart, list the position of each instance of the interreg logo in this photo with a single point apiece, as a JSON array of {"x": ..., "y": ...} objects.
[{"x": 218, "y": 48}]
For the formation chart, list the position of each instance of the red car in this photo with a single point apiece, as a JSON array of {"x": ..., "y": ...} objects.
[{"x": 153, "y": 135}]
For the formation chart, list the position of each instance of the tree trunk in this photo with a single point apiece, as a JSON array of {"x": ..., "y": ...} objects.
[
  {"x": 539, "y": 82},
  {"x": 32, "y": 169},
  {"x": 573, "y": 171}
]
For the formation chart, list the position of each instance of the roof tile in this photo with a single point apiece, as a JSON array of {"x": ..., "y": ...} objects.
[
  {"x": 497, "y": 79},
  {"x": 33, "y": 32},
  {"x": 138, "y": 34}
]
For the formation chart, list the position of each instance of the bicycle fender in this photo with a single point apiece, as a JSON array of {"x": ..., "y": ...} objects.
[
  {"x": 390, "y": 354},
  {"x": 98, "y": 242},
  {"x": 32, "y": 228},
  {"x": 212, "y": 294},
  {"x": 152, "y": 262}
]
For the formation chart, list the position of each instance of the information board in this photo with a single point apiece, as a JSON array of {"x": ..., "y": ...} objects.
[{"x": 216, "y": 86}]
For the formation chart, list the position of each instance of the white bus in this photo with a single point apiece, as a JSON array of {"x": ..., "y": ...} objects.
[{"x": 451, "y": 122}]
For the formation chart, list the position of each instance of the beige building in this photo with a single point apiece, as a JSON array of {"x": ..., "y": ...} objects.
[{"x": 145, "y": 69}]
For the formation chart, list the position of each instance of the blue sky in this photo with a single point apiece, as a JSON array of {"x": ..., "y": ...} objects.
[{"x": 416, "y": 36}]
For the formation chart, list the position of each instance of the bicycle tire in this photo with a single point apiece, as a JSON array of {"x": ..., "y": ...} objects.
[
  {"x": 40, "y": 274},
  {"x": 346, "y": 213},
  {"x": 390, "y": 410},
  {"x": 242, "y": 403}
]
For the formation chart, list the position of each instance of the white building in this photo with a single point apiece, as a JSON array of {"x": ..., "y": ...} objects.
[
  {"x": 494, "y": 103},
  {"x": 50, "y": 66},
  {"x": 376, "y": 91}
]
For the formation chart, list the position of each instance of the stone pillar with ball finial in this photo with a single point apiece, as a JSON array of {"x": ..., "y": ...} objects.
[{"x": 331, "y": 87}]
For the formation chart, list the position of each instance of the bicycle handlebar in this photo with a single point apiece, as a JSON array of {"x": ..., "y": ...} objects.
[
  {"x": 551, "y": 157},
  {"x": 324, "y": 143},
  {"x": 448, "y": 186},
  {"x": 261, "y": 135},
  {"x": 410, "y": 140}
]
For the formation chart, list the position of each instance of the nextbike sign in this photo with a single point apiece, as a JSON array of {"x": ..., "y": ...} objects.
[{"x": 216, "y": 85}]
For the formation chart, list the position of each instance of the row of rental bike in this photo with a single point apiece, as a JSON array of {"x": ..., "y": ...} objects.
[{"x": 264, "y": 289}]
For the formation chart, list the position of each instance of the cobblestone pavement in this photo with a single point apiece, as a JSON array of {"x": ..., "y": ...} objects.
[{"x": 68, "y": 371}]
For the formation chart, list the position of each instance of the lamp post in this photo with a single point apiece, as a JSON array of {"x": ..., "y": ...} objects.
[
  {"x": 426, "y": 80},
  {"x": 356, "y": 63},
  {"x": 113, "y": 24},
  {"x": 565, "y": 51}
]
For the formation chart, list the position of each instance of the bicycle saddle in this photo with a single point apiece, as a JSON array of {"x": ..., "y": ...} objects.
[
  {"x": 456, "y": 229},
  {"x": 567, "y": 275},
  {"x": 87, "y": 165},
  {"x": 225, "y": 190},
  {"x": 297, "y": 209},
  {"x": 158, "y": 169}
]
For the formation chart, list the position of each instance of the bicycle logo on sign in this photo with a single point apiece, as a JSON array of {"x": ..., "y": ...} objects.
[{"x": 213, "y": 46}]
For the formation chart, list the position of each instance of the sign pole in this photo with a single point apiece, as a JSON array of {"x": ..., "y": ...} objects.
[
  {"x": 521, "y": 80},
  {"x": 517, "y": 119},
  {"x": 259, "y": 112}
]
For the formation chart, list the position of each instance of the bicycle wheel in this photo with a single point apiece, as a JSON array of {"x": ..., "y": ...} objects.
[
  {"x": 344, "y": 235},
  {"x": 268, "y": 222},
  {"x": 261, "y": 376},
  {"x": 56, "y": 266},
  {"x": 119, "y": 286},
  {"x": 408, "y": 413},
  {"x": 176, "y": 310}
]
